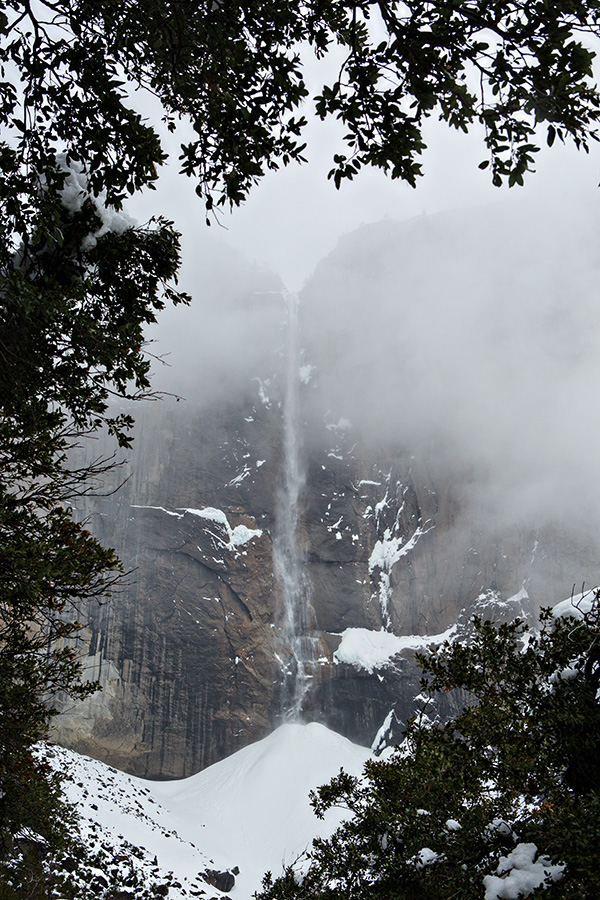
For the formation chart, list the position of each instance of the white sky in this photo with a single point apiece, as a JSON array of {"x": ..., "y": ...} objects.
[{"x": 294, "y": 217}]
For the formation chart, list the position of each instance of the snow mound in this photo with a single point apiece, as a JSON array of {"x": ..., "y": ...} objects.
[
  {"x": 254, "y": 805},
  {"x": 250, "y": 810},
  {"x": 577, "y": 606}
]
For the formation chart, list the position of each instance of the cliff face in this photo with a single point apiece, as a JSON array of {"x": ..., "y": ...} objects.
[
  {"x": 189, "y": 652},
  {"x": 192, "y": 653}
]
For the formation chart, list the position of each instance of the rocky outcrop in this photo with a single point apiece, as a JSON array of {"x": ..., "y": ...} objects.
[{"x": 191, "y": 651}]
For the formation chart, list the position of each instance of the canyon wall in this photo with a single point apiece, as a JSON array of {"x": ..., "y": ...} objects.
[{"x": 192, "y": 651}]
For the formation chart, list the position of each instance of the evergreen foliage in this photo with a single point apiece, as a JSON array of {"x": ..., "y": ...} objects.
[
  {"x": 516, "y": 772},
  {"x": 78, "y": 284}
]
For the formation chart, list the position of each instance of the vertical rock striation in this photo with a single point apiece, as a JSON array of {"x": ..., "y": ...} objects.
[{"x": 193, "y": 652}]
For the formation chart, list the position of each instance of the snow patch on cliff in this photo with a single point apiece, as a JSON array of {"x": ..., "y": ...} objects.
[
  {"x": 305, "y": 373},
  {"x": 262, "y": 393},
  {"x": 391, "y": 548},
  {"x": 238, "y": 536},
  {"x": 371, "y": 650},
  {"x": 387, "y": 552},
  {"x": 169, "y": 512}
]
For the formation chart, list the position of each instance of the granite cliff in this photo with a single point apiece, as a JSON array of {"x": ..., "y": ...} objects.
[{"x": 193, "y": 653}]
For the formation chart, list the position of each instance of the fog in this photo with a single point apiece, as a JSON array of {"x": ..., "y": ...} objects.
[
  {"x": 459, "y": 317},
  {"x": 474, "y": 332}
]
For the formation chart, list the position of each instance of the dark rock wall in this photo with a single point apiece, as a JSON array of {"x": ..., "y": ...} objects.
[{"x": 190, "y": 651}]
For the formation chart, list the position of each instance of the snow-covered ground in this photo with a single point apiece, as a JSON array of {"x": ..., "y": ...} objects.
[{"x": 249, "y": 811}]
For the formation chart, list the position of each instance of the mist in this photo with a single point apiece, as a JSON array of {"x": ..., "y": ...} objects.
[
  {"x": 467, "y": 336},
  {"x": 209, "y": 352},
  {"x": 476, "y": 333}
]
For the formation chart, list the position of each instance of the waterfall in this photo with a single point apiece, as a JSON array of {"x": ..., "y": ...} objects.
[{"x": 288, "y": 553}]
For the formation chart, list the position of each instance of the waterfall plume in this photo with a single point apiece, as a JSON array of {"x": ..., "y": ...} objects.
[{"x": 288, "y": 552}]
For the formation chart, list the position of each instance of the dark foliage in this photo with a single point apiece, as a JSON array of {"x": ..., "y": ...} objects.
[
  {"x": 519, "y": 765},
  {"x": 77, "y": 287}
]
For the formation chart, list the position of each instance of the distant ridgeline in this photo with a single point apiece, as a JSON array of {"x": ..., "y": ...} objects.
[{"x": 399, "y": 535}]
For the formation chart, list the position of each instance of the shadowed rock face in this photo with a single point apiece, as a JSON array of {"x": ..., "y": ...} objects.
[{"x": 191, "y": 652}]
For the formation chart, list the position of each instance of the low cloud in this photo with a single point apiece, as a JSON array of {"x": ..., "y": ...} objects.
[{"x": 475, "y": 332}]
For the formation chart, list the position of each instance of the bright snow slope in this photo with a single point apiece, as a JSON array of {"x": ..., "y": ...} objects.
[{"x": 250, "y": 810}]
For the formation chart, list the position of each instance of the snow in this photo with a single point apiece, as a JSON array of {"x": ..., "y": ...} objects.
[
  {"x": 75, "y": 188},
  {"x": 498, "y": 827},
  {"x": 255, "y": 803},
  {"x": 371, "y": 650},
  {"x": 209, "y": 512},
  {"x": 250, "y": 810},
  {"x": 425, "y": 857},
  {"x": 160, "y": 509},
  {"x": 379, "y": 507},
  {"x": 117, "y": 810},
  {"x": 245, "y": 472},
  {"x": 76, "y": 191},
  {"x": 380, "y": 739},
  {"x": 388, "y": 551},
  {"x": 567, "y": 674},
  {"x": 577, "y": 606},
  {"x": 520, "y": 873},
  {"x": 519, "y": 597},
  {"x": 305, "y": 373},
  {"x": 241, "y": 535},
  {"x": 264, "y": 398},
  {"x": 237, "y": 536},
  {"x": 341, "y": 425}
]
